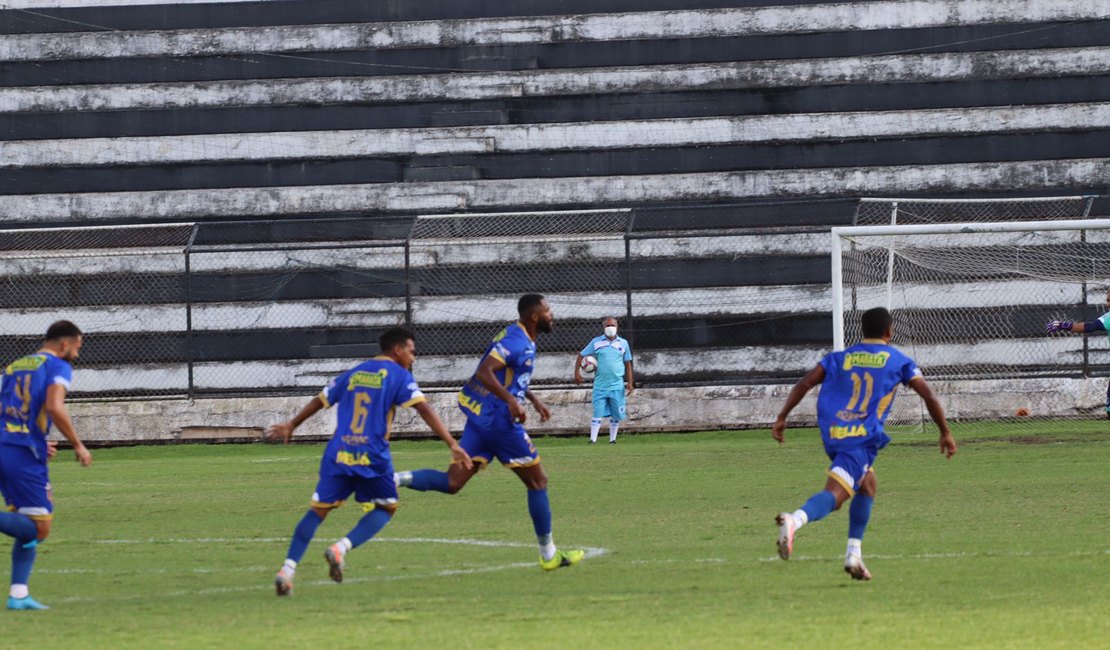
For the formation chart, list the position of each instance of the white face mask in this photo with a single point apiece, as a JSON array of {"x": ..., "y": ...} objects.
[{"x": 610, "y": 331}]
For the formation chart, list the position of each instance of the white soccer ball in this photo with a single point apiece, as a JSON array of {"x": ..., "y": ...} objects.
[{"x": 589, "y": 364}]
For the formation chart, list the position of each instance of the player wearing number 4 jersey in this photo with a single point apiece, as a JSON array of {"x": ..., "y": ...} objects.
[
  {"x": 357, "y": 457},
  {"x": 857, "y": 391}
]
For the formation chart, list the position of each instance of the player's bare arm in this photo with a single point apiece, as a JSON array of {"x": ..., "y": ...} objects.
[
  {"x": 56, "y": 409},
  {"x": 813, "y": 378},
  {"x": 283, "y": 431},
  {"x": 485, "y": 374},
  {"x": 629, "y": 382},
  {"x": 578, "y": 358},
  {"x": 537, "y": 403},
  {"x": 431, "y": 418},
  {"x": 936, "y": 411}
]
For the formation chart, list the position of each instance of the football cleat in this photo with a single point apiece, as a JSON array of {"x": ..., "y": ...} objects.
[
  {"x": 283, "y": 583},
  {"x": 853, "y": 566},
  {"x": 562, "y": 559},
  {"x": 334, "y": 556},
  {"x": 785, "y": 520},
  {"x": 25, "y": 603}
]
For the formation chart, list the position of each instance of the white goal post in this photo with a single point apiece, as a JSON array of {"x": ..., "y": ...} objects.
[{"x": 971, "y": 301}]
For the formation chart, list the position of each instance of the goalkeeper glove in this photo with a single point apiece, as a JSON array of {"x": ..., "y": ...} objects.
[{"x": 1059, "y": 326}]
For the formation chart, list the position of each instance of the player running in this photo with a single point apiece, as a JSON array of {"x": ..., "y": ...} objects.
[
  {"x": 492, "y": 400},
  {"x": 613, "y": 378},
  {"x": 857, "y": 390},
  {"x": 1100, "y": 324},
  {"x": 357, "y": 457},
  {"x": 33, "y": 398}
]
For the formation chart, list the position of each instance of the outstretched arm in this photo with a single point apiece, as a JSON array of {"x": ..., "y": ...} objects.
[
  {"x": 805, "y": 384},
  {"x": 283, "y": 431},
  {"x": 936, "y": 411},
  {"x": 431, "y": 418},
  {"x": 56, "y": 409},
  {"x": 1077, "y": 328}
]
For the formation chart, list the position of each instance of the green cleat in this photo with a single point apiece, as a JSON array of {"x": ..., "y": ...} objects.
[{"x": 562, "y": 559}]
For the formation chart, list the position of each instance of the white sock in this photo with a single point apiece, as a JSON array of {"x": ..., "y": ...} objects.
[
  {"x": 547, "y": 546},
  {"x": 289, "y": 567},
  {"x": 19, "y": 591},
  {"x": 344, "y": 544},
  {"x": 854, "y": 547},
  {"x": 800, "y": 518},
  {"x": 595, "y": 427},
  {"x": 613, "y": 426},
  {"x": 402, "y": 479}
]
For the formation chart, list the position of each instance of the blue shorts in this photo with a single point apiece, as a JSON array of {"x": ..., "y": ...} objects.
[
  {"x": 609, "y": 403},
  {"x": 25, "y": 482},
  {"x": 334, "y": 488},
  {"x": 501, "y": 438},
  {"x": 850, "y": 466}
]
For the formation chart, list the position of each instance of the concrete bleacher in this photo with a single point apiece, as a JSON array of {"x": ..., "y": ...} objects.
[{"x": 696, "y": 115}]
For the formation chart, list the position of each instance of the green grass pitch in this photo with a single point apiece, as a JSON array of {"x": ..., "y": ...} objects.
[{"x": 1005, "y": 546}]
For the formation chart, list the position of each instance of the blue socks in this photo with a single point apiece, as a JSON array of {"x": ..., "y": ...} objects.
[
  {"x": 429, "y": 479},
  {"x": 858, "y": 515},
  {"x": 23, "y": 558},
  {"x": 540, "y": 510},
  {"x": 370, "y": 524},
  {"x": 18, "y": 526},
  {"x": 819, "y": 505},
  {"x": 302, "y": 535}
]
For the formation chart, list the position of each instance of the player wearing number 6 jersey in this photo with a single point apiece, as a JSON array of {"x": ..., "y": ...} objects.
[
  {"x": 857, "y": 391},
  {"x": 357, "y": 457}
]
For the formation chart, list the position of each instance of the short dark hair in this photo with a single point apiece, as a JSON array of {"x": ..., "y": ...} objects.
[
  {"x": 610, "y": 318},
  {"x": 875, "y": 322},
  {"x": 393, "y": 337},
  {"x": 62, "y": 329},
  {"x": 527, "y": 303}
]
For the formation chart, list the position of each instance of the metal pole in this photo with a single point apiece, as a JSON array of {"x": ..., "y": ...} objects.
[
  {"x": 837, "y": 293},
  {"x": 628, "y": 281},
  {"x": 189, "y": 355},
  {"x": 890, "y": 260}
]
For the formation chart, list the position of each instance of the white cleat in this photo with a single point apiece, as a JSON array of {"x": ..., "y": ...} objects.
[
  {"x": 785, "y": 520},
  {"x": 853, "y": 566},
  {"x": 283, "y": 583}
]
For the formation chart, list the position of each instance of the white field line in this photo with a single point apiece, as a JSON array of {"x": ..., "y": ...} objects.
[
  {"x": 958, "y": 555},
  {"x": 591, "y": 552}
]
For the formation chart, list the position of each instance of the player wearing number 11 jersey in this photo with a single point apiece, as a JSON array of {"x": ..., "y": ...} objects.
[
  {"x": 857, "y": 391},
  {"x": 357, "y": 458}
]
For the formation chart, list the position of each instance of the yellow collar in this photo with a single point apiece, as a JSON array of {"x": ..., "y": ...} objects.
[{"x": 875, "y": 341}]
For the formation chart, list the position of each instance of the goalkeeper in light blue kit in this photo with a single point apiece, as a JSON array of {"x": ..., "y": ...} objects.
[
  {"x": 1100, "y": 324},
  {"x": 613, "y": 380},
  {"x": 857, "y": 391}
]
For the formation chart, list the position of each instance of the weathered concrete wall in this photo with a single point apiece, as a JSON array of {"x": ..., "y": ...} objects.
[
  {"x": 1060, "y": 62},
  {"x": 849, "y": 16},
  {"x": 321, "y": 145},
  {"x": 669, "y": 409},
  {"x": 1032, "y": 175}
]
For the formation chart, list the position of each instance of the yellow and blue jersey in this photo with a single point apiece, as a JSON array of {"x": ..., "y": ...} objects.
[
  {"x": 513, "y": 347},
  {"x": 858, "y": 392},
  {"x": 366, "y": 397},
  {"x": 611, "y": 354},
  {"x": 23, "y": 399}
]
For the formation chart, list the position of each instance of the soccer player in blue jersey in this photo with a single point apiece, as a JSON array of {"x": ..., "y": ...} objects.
[
  {"x": 32, "y": 398},
  {"x": 1100, "y": 324},
  {"x": 492, "y": 400},
  {"x": 613, "y": 378},
  {"x": 857, "y": 390},
  {"x": 357, "y": 457}
]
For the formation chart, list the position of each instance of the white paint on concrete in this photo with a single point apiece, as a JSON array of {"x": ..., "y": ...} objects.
[
  {"x": 320, "y": 145},
  {"x": 597, "y": 190},
  {"x": 899, "y": 68},
  {"x": 297, "y": 39}
]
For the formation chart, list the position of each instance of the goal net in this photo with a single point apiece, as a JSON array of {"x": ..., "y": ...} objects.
[{"x": 971, "y": 302}]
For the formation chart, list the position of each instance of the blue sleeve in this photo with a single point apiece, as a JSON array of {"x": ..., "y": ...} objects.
[
  {"x": 1095, "y": 325},
  {"x": 408, "y": 392},
  {"x": 627, "y": 351},
  {"x": 829, "y": 363},
  {"x": 60, "y": 373},
  {"x": 335, "y": 390},
  {"x": 588, "y": 350},
  {"x": 909, "y": 371}
]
